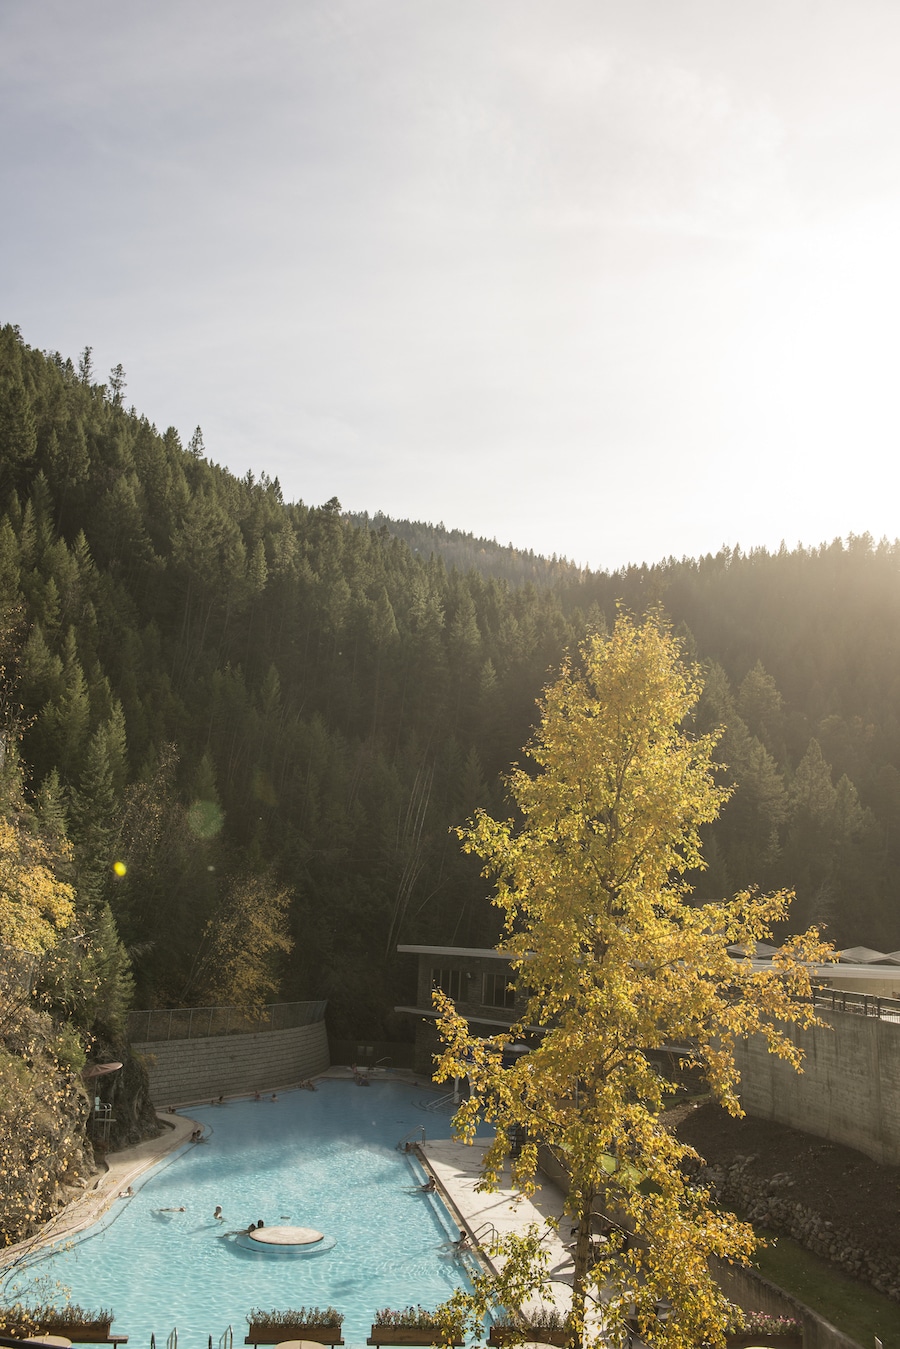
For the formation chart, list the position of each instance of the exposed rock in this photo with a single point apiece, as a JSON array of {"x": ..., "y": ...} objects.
[{"x": 848, "y": 1211}]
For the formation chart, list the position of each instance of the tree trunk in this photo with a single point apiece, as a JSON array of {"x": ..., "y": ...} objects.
[{"x": 582, "y": 1265}]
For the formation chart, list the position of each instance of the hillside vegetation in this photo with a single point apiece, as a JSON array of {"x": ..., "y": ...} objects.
[{"x": 250, "y": 724}]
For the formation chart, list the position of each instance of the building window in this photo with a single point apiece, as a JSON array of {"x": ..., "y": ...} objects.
[
  {"x": 449, "y": 982},
  {"x": 498, "y": 991}
]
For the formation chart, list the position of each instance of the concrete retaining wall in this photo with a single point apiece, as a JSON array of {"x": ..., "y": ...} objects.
[
  {"x": 184, "y": 1071},
  {"x": 849, "y": 1091},
  {"x": 748, "y": 1289}
]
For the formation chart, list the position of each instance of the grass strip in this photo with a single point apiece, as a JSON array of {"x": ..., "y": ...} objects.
[{"x": 849, "y": 1305}]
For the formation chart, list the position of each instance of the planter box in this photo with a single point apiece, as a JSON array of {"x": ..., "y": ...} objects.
[
  {"x": 272, "y": 1332},
  {"x": 409, "y": 1335},
  {"x": 500, "y": 1335},
  {"x": 748, "y": 1338},
  {"x": 83, "y": 1332}
]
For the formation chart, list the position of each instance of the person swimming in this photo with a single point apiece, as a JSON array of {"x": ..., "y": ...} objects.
[{"x": 219, "y": 1215}]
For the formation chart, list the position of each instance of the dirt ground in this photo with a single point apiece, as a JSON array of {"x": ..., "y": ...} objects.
[{"x": 833, "y": 1180}]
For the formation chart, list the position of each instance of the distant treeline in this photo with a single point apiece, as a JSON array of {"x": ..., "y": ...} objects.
[{"x": 269, "y": 715}]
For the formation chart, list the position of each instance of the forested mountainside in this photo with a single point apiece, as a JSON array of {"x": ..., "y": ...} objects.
[
  {"x": 465, "y": 552},
  {"x": 254, "y": 722}
]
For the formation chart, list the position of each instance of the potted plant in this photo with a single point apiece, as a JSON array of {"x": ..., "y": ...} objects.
[
  {"x": 760, "y": 1328},
  {"x": 414, "y": 1326},
  {"x": 547, "y": 1325},
  {"x": 322, "y": 1325}
]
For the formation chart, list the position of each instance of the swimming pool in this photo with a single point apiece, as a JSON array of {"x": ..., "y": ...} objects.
[{"x": 326, "y": 1159}]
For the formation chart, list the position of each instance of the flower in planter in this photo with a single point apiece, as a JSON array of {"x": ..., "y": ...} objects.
[
  {"x": 297, "y": 1316},
  {"x": 418, "y": 1318},
  {"x": 761, "y": 1323},
  {"x": 544, "y": 1318},
  {"x": 405, "y": 1316},
  {"x": 20, "y": 1319}
]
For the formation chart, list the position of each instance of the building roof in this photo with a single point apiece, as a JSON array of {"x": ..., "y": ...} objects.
[
  {"x": 428, "y": 1013},
  {"x": 858, "y": 962},
  {"x": 481, "y": 952}
]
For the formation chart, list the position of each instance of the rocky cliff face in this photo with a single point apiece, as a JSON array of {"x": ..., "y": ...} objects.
[
  {"x": 45, "y": 1156},
  {"x": 127, "y": 1092},
  {"x": 50, "y": 1143}
]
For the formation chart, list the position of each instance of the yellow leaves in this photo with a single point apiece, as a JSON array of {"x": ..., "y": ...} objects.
[
  {"x": 620, "y": 970},
  {"x": 35, "y": 906},
  {"x": 244, "y": 942}
]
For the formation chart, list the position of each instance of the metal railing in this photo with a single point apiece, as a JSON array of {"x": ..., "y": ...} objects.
[
  {"x": 407, "y": 1138},
  {"x": 199, "y": 1023},
  {"x": 487, "y": 1229},
  {"x": 442, "y": 1103},
  {"x": 859, "y": 1004}
]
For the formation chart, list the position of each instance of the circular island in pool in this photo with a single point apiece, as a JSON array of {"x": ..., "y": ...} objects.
[{"x": 286, "y": 1236}]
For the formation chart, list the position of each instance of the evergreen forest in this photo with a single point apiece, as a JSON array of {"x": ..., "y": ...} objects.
[{"x": 237, "y": 730}]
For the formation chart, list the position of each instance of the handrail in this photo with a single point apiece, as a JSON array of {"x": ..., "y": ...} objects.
[
  {"x": 402, "y": 1145},
  {"x": 432, "y": 1106},
  {"x": 172, "y": 1341},
  {"x": 486, "y": 1227},
  {"x": 860, "y": 1004},
  {"x": 226, "y": 1339}
]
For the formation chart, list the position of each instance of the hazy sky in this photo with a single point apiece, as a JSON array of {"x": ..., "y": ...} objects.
[{"x": 611, "y": 280}]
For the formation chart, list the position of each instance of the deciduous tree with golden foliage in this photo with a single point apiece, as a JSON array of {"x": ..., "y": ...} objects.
[
  {"x": 618, "y": 964},
  {"x": 35, "y": 905}
]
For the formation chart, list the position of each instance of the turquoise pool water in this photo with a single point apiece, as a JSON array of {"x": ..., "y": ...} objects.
[{"x": 326, "y": 1159}]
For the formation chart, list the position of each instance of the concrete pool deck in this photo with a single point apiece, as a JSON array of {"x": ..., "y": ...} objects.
[{"x": 488, "y": 1216}]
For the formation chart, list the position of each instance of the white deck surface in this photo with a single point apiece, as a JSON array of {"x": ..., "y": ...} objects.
[{"x": 457, "y": 1168}]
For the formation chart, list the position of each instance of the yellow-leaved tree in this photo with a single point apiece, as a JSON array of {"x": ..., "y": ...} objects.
[
  {"x": 615, "y": 964},
  {"x": 35, "y": 905}
]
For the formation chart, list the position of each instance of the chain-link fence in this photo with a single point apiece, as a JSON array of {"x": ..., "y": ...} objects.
[
  {"x": 197, "y": 1023},
  {"x": 860, "y": 1004}
]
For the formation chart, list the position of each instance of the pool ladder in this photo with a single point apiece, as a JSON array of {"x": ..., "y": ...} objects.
[
  {"x": 420, "y": 1128},
  {"x": 226, "y": 1340},
  {"x": 485, "y": 1230},
  {"x": 171, "y": 1340}
]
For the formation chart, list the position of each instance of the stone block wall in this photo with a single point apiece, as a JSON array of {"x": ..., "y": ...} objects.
[
  {"x": 187, "y": 1071},
  {"x": 849, "y": 1091}
]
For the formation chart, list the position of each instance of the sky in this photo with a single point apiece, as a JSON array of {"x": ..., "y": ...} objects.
[{"x": 614, "y": 280}]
